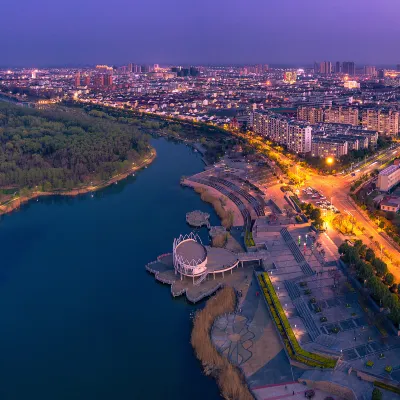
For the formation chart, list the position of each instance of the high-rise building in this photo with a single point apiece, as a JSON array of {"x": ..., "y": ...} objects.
[
  {"x": 108, "y": 80},
  {"x": 99, "y": 80},
  {"x": 123, "y": 70},
  {"x": 296, "y": 136},
  {"x": 398, "y": 67},
  {"x": 338, "y": 67},
  {"x": 384, "y": 121},
  {"x": 86, "y": 80},
  {"x": 349, "y": 68},
  {"x": 258, "y": 69},
  {"x": 77, "y": 79},
  {"x": 299, "y": 137},
  {"x": 325, "y": 68},
  {"x": 265, "y": 68},
  {"x": 194, "y": 71},
  {"x": 370, "y": 70},
  {"x": 341, "y": 115},
  {"x": 313, "y": 115},
  {"x": 316, "y": 67}
]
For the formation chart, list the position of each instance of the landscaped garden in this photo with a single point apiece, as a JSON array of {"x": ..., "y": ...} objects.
[{"x": 293, "y": 348}]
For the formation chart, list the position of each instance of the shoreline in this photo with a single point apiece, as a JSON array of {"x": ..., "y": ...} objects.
[
  {"x": 14, "y": 204},
  {"x": 230, "y": 379},
  {"x": 230, "y": 205}
]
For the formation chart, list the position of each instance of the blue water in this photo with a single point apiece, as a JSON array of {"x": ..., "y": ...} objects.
[{"x": 79, "y": 316}]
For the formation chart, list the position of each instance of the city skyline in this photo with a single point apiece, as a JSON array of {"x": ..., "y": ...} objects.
[{"x": 284, "y": 32}]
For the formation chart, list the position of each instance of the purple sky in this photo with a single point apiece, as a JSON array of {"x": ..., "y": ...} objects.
[{"x": 58, "y": 32}]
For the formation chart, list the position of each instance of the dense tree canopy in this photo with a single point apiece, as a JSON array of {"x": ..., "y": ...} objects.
[
  {"x": 373, "y": 273},
  {"x": 61, "y": 148}
]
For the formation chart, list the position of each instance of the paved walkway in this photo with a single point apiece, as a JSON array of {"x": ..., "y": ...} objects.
[{"x": 285, "y": 391}]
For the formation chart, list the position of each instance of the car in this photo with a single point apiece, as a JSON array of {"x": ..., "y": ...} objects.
[{"x": 353, "y": 174}]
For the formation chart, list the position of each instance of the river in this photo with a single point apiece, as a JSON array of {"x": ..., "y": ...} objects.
[{"x": 80, "y": 316}]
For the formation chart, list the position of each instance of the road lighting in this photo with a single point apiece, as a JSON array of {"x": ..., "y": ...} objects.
[{"x": 329, "y": 161}]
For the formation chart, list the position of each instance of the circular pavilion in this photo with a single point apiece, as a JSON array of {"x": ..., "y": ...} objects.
[{"x": 189, "y": 255}]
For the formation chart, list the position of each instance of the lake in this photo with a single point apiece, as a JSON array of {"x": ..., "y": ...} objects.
[{"x": 80, "y": 316}]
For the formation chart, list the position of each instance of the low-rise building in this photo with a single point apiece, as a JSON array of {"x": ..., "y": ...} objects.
[
  {"x": 390, "y": 203},
  {"x": 388, "y": 178}
]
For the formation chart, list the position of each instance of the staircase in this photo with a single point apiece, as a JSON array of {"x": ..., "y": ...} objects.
[
  {"x": 292, "y": 289},
  {"x": 343, "y": 366},
  {"x": 307, "y": 318},
  {"x": 297, "y": 254},
  {"x": 201, "y": 279}
]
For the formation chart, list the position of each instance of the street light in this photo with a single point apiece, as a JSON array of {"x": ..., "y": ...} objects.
[{"x": 329, "y": 161}]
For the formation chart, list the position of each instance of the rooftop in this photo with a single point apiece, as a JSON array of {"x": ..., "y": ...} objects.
[
  {"x": 389, "y": 170},
  {"x": 191, "y": 250}
]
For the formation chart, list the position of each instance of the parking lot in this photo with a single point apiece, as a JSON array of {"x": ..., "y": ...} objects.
[{"x": 317, "y": 198}]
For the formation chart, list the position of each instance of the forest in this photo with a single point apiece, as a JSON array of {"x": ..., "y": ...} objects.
[{"x": 63, "y": 148}]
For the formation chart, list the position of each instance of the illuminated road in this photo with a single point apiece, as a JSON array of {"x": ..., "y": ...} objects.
[{"x": 337, "y": 189}]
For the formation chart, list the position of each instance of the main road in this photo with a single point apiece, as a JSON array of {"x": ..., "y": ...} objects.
[{"x": 337, "y": 189}]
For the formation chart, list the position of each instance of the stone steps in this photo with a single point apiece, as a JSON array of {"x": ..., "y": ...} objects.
[
  {"x": 292, "y": 289},
  {"x": 307, "y": 318}
]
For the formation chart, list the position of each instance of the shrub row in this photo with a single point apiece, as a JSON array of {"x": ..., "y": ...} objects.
[
  {"x": 386, "y": 386},
  {"x": 248, "y": 239}
]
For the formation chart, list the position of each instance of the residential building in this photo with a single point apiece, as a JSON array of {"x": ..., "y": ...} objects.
[
  {"x": 370, "y": 70},
  {"x": 108, "y": 80},
  {"x": 295, "y": 135},
  {"x": 77, "y": 79},
  {"x": 325, "y": 68},
  {"x": 349, "y": 68},
  {"x": 390, "y": 203},
  {"x": 313, "y": 115},
  {"x": 86, "y": 80},
  {"x": 338, "y": 67},
  {"x": 385, "y": 122},
  {"x": 329, "y": 146},
  {"x": 388, "y": 178},
  {"x": 299, "y": 137},
  {"x": 341, "y": 115}
]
